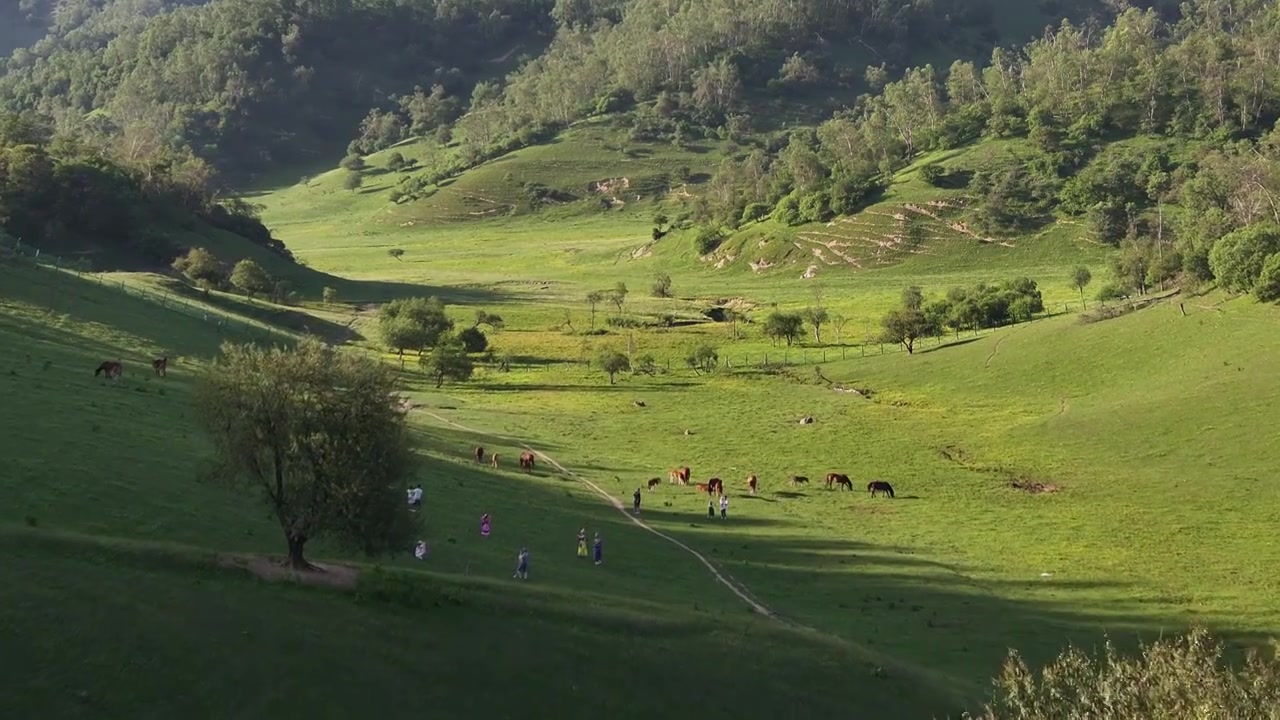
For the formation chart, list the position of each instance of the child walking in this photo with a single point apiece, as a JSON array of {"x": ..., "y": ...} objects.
[
  {"x": 486, "y": 525},
  {"x": 711, "y": 509},
  {"x": 599, "y": 549},
  {"x": 522, "y": 564}
]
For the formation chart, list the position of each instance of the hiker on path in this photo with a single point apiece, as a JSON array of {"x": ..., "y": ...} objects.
[
  {"x": 711, "y": 509},
  {"x": 636, "y": 501},
  {"x": 724, "y": 507},
  {"x": 522, "y": 564},
  {"x": 485, "y": 525},
  {"x": 599, "y": 549},
  {"x": 582, "y": 543}
]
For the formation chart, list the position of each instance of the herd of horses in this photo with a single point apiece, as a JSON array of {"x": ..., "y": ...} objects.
[
  {"x": 715, "y": 486},
  {"x": 113, "y": 369},
  {"x": 526, "y": 459}
]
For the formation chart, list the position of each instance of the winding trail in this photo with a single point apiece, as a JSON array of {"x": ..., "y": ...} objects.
[{"x": 734, "y": 586}]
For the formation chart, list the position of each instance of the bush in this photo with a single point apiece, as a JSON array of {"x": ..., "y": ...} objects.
[
  {"x": 933, "y": 175},
  {"x": 1237, "y": 260},
  {"x": 816, "y": 207},
  {"x": 754, "y": 211},
  {"x": 1112, "y": 291},
  {"x": 1268, "y": 287},
  {"x": 707, "y": 240},
  {"x": 352, "y": 162},
  {"x": 396, "y": 162},
  {"x": 787, "y": 211},
  {"x": 329, "y": 296},
  {"x": 473, "y": 340},
  {"x": 661, "y": 286}
]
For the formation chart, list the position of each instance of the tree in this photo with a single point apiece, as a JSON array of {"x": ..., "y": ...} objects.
[
  {"x": 413, "y": 323},
  {"x": 783, "y": 326},
  {"x": 396, "y": 253},
  {"x": 1237, "y": 259},
  {"x": 201, "y": 267},
  {"x": 487, "y": 318},
  {"x": 613, "y": 362},
  {"x": 816, "y": 316},
  {"x": 618, "y": 296},
  {"x": 661, "y": 285},
  {"x": 704, "y": 358},
  {"x": 329, "y": 296},
  {"x": 448, "y": 361},
  {"x": 1268, "y": 287},
  {"x": 906, "y": 325},
  {"x": 250, "y": 278},
  {"x": 353, "y": 163},
  {"x": 352, "y": 181},
  {"x": 1080, "y": 279},
  {"x": 1173, "y": 678},
  {"x": 912, "y": 298},
  {"x": 473, "y": 341},
  {"x": 594, "y": 298},
  {"x": 314, "y": 430},
  {"x": 396, "y": 162},
  {"x": 837, "y": 323}
]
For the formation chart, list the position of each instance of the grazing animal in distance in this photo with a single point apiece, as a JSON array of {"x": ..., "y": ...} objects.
[
  {"x": 673, "y": 476},
  {"x": 798, "y": 480},
  {"x": 679, "y": 475},
  {"x": 112, "y": 368},
  {"x": 879, "y": 486},
  {"x": 703, "y": 487},
  {"x": 479, "y": 454},
  {"x": 160, "y": 365},
  {"x": 654, "y": 483},
  {"x": 833, "y": 478},
  {"x": 752, "y": 483},
  {"x": 526, "y": 461},
  {"x": 493, "y": 461},
  {"x": 715, "y": 485},
  {"x": 845, "y": 483}
]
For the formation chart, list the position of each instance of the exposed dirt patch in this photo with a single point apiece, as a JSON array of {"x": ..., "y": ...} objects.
[{"x": 274, "y": 570}]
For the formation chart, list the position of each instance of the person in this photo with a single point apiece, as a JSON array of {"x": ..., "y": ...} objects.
[
  {"x": 724, "y": 507},
  {"x": 711, "y": 509},
  {"x": 599, "y": 549},
  {"x": 522, "y": 564},
  {"x": 420, "y": 550},
  {"x": 636, "y": 501},
  {"x": 415, "y": 498},
  {"x": 485, "y": 525},
  {"x": 582, "y": 543}
]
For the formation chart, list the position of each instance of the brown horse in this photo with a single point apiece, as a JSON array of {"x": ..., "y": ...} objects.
[
  {"x": 113, "y": 369},
  {"x": 680, "y": 476},
  {"x": 480, "y": 455},
  {"x": 752, "y": 483},
  {"x": 526, "y": 461},
  {"x": 703, "y": 488},
  {"x": 879, "y": 486},
  {"x": 160, "y": 365},
  {"x": 845, "y": 483},
  {"x": 654, "y": 483},
  {"x": 493, "y": 461},
  {"x": 833, "y": 478},
  {"x": 715, "y": 485},
  {"x": 798, "y": 480}
]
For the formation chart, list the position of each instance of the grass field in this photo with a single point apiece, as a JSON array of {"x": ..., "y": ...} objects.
[{"x": 1151, "y": 427}]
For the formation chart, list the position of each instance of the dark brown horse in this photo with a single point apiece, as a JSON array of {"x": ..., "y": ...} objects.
[
  {"x": 654, "y": 483},
  {"x": 715, "y": 485},
  {"x": 111, "y": 368},
  {"x": 798, "y": 480},
  {"x": 160, "y": 365},
  {"x": 526, "y": 461},
  {"x": 752, "y": 483},
  {"x": 683, "y": 474},
  {"x": 479, "y": 454},
  {"x": 845, "y": 483},
  {"x": 879, "y": 486},
  {"x": 833, "y": 478}
]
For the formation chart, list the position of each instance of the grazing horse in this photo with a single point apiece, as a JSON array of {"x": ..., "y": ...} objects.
[
  {"x": 879, "y": 486},
  {"x": 703, "y": 487},
  {"x": 480, "y": 455},
  {"x": 715, "y": 485},
  {"x": 798, "y": 480},
  {"x": 493, "y": 461},
  {"x": 654, "y": 483},
  {"x": 160, "y": 365},
  {"x": 845, "y": 483},
  {"x": 679, "y": 476},
  {"x": 526, "y": 461},
  {"x": 752, "y": 483},
  {"x": 833, "y": 478},
  {"x": 113, "y": 369}
]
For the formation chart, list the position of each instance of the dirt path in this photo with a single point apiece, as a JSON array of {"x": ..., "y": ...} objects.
[
  {"x": 734, "y": 586},
  {"x": 996, "y": 349}
]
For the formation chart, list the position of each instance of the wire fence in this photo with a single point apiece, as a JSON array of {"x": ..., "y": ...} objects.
[{"x": 63, "y": 268}]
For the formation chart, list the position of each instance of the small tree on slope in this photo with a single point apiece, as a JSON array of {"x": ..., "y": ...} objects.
[{"x": 314, "y": 431}]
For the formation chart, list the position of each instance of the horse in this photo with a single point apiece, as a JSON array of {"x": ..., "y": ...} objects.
[
  {"x": 526, "y": 461},
  {"x": 113, "y": 369},
  {"x": 480, "y": 455},
  {"x": 654, "y": 483},
  {"x": 798, "y": 480},
  {"x": 703, "y": 488},
  {"x": 493, "y": 461},
  {"x": 715, "y": 485},
  {"x": 160, "y": 365},
  {"x": 833, "y": 478},
  {"x": 752, "y": 483},
  {"x": 879, "y": 486},
  {"x": 845, "y": 483},
  {"x": 684, "y": 474}
]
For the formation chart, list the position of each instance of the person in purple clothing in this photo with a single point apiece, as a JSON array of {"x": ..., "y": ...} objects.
[{"x": 599, "y": 549}]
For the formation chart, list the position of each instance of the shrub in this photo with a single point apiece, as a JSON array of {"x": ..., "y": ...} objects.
[
  {"x": 754, "y": 211},
  {"x": 661, "y": 285},
  {"x": 816, "y": 207},
  {"x": 707, "y": 240},
  {"x": 787, "y": 211},
  {"x": 933, "y": 175},
  {"x": 1237, "y": 260},
  {"x": 473, "y": 340},
  {"x": 396, "y": 162},
  {"x": 1268, "y": 287},
  {"x": 352, "y": 162},
  {"x": 329, "y": 296}
]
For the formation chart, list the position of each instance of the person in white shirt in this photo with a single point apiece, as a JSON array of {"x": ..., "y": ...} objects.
[{"x": 724, "y": 507}]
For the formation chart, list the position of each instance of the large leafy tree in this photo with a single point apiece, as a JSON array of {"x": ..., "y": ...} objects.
[
  {"x": 413, "y": 323},
  {"x": 448, "y": 361},
  {"x": 314, "y": 432}
]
